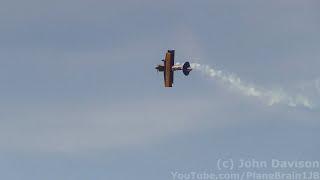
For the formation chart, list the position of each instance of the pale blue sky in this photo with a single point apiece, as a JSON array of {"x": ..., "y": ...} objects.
[{"x": 80, "y": 98}]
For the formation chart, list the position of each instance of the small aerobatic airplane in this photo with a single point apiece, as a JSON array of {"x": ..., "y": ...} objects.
[{"x": 169, "y": 67}]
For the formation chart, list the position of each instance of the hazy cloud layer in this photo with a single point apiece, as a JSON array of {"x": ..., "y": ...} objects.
[{"x": 82, "y": 127}]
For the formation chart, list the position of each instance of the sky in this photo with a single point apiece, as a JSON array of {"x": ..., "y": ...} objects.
[{"x": 80, "y": 98}]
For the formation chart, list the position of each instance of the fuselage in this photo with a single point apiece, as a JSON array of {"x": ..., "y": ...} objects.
[{"x": 176, "y": 67}]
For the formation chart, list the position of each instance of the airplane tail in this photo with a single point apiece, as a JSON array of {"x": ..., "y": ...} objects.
[{"x": 186, "y": 68}]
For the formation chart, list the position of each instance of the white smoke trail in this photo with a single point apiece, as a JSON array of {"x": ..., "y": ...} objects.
[{"x": 271, "y": 97}]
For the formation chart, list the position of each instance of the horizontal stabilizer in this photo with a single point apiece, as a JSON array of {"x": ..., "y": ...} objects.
[{"x": 186, "y": 68}]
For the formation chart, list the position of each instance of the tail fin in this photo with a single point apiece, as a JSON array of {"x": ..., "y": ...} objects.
[{"x": 186, "y": 68}]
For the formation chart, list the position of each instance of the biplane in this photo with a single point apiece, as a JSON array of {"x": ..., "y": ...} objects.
[{"x": 169, "y": 67}]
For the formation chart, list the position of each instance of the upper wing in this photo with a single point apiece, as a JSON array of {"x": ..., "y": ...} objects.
[{"x": 168, "y": 73}]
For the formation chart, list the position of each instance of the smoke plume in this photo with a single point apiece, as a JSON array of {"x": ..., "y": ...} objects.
[{"x": 270, "y": 97}]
